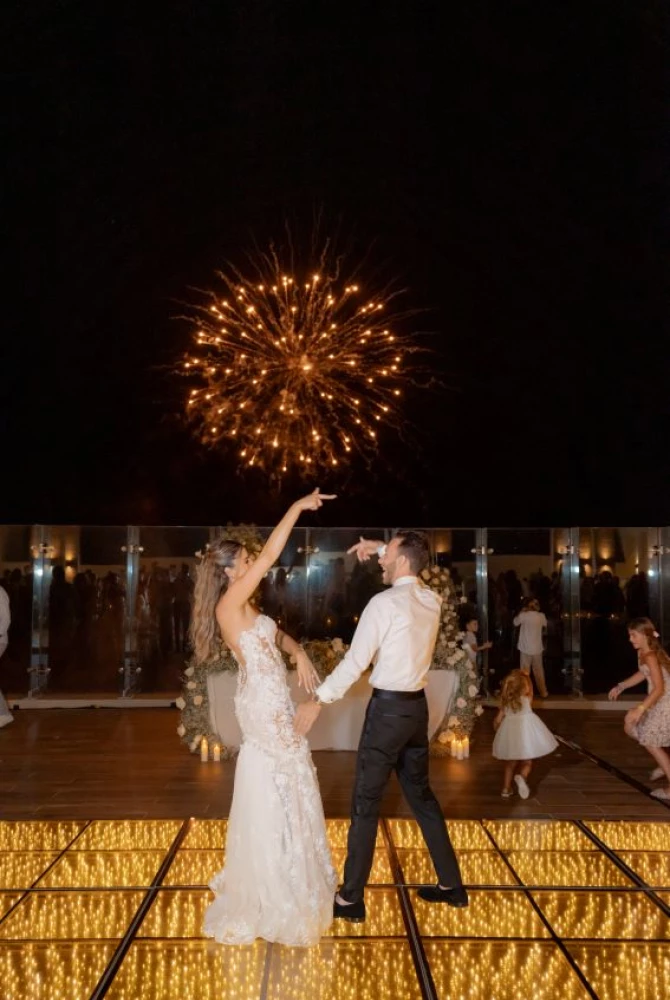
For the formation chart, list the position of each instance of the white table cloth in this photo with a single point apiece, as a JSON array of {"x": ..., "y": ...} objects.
[{"x": 339, "y": 725}]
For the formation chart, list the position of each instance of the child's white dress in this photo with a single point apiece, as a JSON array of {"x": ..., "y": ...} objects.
[{"x": 522, "y": 735}]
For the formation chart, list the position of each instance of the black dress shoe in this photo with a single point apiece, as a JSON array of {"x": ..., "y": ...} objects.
[
  {"x": 354, "y": 912},
  {"x": 454, "y": 897}
]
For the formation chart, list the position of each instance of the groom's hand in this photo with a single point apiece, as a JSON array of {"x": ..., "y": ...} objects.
[
  {"x": 364, "y": 548},
  {"x": 306, "y": 715}
]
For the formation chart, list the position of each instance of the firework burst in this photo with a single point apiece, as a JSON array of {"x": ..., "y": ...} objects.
[{"x": 297, "y": 370}]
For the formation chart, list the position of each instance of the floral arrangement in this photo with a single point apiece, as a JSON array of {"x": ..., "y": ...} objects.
[
  {"x": 194, "y": 701},
  {"x": 450, "y": 655}
]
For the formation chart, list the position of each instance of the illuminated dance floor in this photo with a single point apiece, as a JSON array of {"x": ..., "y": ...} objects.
[{"x": 558, "y": 909}]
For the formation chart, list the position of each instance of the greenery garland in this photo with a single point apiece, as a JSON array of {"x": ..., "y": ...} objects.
[
  {"x": 325, "y": 656},
  {"x": 450, "y": 655}
]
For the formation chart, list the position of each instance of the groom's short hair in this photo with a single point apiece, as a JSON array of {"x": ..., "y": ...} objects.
[{"x": 415, "y": 546}]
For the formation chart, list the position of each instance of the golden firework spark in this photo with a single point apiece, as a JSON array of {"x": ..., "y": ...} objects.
[{"x": 296, "y": 370}]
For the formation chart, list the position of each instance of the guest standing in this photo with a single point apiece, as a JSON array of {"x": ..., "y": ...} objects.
[{"x": 533, "y": 624}]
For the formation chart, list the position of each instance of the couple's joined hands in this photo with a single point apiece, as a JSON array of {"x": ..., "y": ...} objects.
[{"x": 306, "y": 715}]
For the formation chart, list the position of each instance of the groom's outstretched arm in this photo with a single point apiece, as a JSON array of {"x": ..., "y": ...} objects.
[
  {"x": 366, "y": 547},
  {"x": 364, "y": 645}
]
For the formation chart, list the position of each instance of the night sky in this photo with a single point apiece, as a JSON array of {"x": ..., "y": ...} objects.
[{"x": 504, "y": 161}]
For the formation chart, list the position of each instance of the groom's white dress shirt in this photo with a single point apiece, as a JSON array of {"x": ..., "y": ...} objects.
[
  {"x": 5, "y": 617},
  {"x": 5, "y": 620},
  {"x": 397, "y": 631}
]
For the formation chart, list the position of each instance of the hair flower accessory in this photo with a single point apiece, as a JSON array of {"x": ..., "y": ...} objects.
[{"x": 655, "y": 635}]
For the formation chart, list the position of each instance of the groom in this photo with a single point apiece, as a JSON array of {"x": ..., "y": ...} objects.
[{"x": 397, "y": 630}]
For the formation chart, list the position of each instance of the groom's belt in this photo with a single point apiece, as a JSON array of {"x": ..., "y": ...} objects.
[{"x": 405, "y": 695}]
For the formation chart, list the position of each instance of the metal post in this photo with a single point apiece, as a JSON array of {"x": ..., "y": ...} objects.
[
  {"x": 655, "y": 577},
  {"x": 130, "y": 667},
  {"x": 42, "y": 554},
  {"x": 482, "y": 552},
  {"x": 309, "y": 550},
  {"x": 664, "y": 588},
  {"x": 572, "y": 659}
]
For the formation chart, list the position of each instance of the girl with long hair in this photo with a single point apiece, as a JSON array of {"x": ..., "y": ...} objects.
[
  {"x": 649, "y": 721},
  {"x": 278, "y": 880}
]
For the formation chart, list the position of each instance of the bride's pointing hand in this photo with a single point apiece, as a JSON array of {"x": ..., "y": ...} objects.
[{"x": 314, "y": 500}]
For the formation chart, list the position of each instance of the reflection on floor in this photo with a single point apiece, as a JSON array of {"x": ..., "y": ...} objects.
[{"x": 557, "y": 909}]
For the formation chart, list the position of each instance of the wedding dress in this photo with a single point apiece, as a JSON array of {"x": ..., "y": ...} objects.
[{"x": 278, "y": 880}]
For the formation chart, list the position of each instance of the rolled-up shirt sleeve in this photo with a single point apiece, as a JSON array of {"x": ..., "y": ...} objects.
[{"x": 364, "y": 646}]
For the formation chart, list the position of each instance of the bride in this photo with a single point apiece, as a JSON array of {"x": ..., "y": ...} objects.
[{"x": 278, "y": 880}]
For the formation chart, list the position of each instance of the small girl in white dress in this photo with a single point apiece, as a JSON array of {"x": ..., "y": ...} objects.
[
  {"x": 520, "y": 735},
  {"x": 649, "y": 721}
]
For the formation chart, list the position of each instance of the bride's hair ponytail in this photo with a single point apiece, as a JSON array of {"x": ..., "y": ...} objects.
[{"x": 211, "y": 581}]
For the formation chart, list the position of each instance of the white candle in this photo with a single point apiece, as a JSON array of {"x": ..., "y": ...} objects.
[
  {"x": 461, "y": 749},
  {"x": 216, "y": 753},
  {"x": 204, "y": 750},
  {"x": 466, "y": 746}
]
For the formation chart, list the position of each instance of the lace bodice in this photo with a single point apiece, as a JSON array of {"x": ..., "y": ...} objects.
[{"x": 263, "y": 703}]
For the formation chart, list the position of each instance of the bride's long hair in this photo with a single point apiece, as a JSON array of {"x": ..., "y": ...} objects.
[{"x": 211, "y": 581}]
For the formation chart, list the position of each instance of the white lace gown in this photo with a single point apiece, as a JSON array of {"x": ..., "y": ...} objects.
[{"x": 278, "y": 879}]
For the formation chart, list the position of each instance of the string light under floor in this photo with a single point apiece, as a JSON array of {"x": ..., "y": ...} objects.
[{"x": 557, "y": 909}]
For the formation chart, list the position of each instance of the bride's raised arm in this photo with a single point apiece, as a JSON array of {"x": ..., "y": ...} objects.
[{"x": 241, "y": 590}]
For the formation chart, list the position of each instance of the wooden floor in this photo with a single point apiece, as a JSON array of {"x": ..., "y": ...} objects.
[{"x": 125, "y": 763}]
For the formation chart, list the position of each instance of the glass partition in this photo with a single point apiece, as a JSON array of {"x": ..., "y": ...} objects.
[
  {"x": 83, "y": 602},
  {"x": 338, "y": 586},
  {"x": 524, "y": 565},
  {"x": 454, "y": 548},
  {"x": 163, "y": 605},
  {"x": 107, "y": 609},
  {"x": 16, "y": 577},
  {"x": 619, "y": 581},
  {"x": 283, "y": 591},
  {"x": 664, "y": 584}
]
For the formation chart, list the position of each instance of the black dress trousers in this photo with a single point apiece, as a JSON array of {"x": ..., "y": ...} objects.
[{"x": 394, "y": 737}]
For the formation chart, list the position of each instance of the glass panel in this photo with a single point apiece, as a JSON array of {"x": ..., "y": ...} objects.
[
  {"x": 283, "y": 591},
  {"x": 525, "y": 564},
  {"x": 338, "y": 586},
  {"x": 664, "y": 586},
  {"x": 164, "y": 603},
  {"x": 16, "y": 577},
  {"x": 615, "y": 586},
  {"x": 85, "y": 595}
]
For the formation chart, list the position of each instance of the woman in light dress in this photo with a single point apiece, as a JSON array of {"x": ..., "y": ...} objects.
[
  {"x": 278, "y": 880},
  {"x": 649, "y": 721}
]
